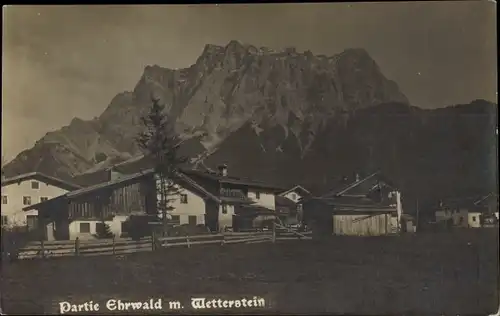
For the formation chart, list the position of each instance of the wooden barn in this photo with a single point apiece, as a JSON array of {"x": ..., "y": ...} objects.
[
  {"x": 366, "y": 207},
  {"x": 214, "y": 201},
  {"x": 79, "y": 213}
]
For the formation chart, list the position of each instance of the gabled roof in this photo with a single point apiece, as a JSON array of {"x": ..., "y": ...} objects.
[
  {"x": 358, "y": 205},
  {"x": 467, "y": 202},
  {"x": 282, "y": 201},
  {"x": 41, "y": 177},
  {"x": 133, "y": 177},
  {"x": 234, "y": 196},
  {"x": 360, "y": 196},
  {"x": 232, "y": 180},
  {"x": 481, "y": 201},
  {"x": 296, "y": 188},
  {"x": 361, "y": 187}
]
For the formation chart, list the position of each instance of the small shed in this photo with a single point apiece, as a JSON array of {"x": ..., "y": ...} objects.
[
  {"x": 332, "y": 216},
  {"x": 366, "y": 207}
]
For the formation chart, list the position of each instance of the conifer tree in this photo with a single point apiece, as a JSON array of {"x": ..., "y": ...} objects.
[{"x": 160, "y": 144}]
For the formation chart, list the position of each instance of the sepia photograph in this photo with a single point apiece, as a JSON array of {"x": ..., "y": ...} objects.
[{"x": 250, "y": 159}]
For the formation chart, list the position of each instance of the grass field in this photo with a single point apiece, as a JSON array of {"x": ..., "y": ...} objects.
[{"x": 431, "y": 273}]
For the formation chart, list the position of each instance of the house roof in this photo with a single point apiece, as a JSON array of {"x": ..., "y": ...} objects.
[
  {"x": 282, "y": 201},
  {"x": 231, "y": 198},
  {"x": 232, "y": 180},
  {"x": 42, "y": 177},
  {"x": 468, "y": 202},
  {"x": 356, "y": 190},
  {"x": 361, "y": 201},
  {"x": 355, "y": 205},
  {"x": 253, "y": 210},
  {"x": 234, "y": 196},
  {"x": 296, "y": 188},
  {"x": 484, "y": 200},
  {"x": 362, "y": 186}
]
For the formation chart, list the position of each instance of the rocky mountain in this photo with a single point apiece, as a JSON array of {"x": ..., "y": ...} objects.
[
  {"x": 286, "y": 117},
  {"x": 224, "y": 89},
  {"x": 429, "y": 154}
]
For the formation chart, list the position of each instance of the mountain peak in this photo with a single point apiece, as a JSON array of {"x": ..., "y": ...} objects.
[{"x": 231, "y": 85}]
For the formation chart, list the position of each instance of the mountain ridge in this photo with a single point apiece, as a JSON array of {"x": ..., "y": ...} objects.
[{"x": 225, "y": 88}]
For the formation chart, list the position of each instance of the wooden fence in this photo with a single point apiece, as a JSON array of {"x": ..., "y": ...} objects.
[{"x": 121, "y": 246}]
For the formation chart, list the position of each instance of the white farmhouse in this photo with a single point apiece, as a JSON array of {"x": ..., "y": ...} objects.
[{"x": 26, "y": 189}]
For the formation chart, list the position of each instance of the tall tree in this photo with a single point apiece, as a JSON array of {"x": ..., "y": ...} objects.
[{"x": 160, "y": 144}]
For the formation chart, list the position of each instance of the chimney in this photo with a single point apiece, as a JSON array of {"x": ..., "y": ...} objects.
[
  {"x": 113, "y": 174},
  {"x": 222, "y": 170}
]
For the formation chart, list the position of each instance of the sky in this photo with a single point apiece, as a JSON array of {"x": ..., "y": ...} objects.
[{"x": 61, "y": 62}]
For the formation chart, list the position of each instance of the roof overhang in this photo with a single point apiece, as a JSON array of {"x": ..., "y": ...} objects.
[
  {"x": 43, "y": 204},
  {"x": 297, "y": 187}
]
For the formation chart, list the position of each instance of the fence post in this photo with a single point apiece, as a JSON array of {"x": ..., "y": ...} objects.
[
  {"x": 274, "y": 230},
  {"x": 187, "y": 238},
  {"x": 114, "y": 246},
  {"x": 77, "y": 246},
  {"x": 42, "y": 246},
  {"x": 153, "y": 246},
  {"x": 223, "y": 242}
]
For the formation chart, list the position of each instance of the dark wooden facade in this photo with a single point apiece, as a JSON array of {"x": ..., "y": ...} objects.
[{"x": 137, "y": 196}]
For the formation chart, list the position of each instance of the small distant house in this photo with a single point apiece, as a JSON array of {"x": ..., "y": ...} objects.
[
  {"x": 367, "y": 207},
  {"x": 243, "y": 203},
  {"x": 469, "y": 212},
  {"x": 214, "y": 200},
  {"x": 28, "y": 189},
  {"x": 296, "y": 193},
  {"x": 288, "y": 206},
  {"x": 408, "y": 223}
]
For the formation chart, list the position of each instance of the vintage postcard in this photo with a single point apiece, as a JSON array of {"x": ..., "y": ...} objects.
[{"x": 292, "y": 158}]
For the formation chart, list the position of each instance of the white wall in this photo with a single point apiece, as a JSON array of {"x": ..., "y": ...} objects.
[
  {"x": 115, "y": 226},
  {"x": 460, "y": 218},
  {"x": 195, "y": 206},
  {"x": 16, "y": 191},
  {"x": 473, "y": 219},
  {"x": 265, "y": 199},
  {"x": 294, "y": 196},
  {"x": 442, "y": 215},
  {"x": 226, "y": 219}
]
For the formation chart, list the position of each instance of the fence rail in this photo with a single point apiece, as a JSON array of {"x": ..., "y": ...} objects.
[{"x": 121, "y": 246}]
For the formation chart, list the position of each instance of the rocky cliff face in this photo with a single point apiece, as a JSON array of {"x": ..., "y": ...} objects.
[
  {"x": 229, "y": 87},
  {"x": 428, "y": 154}
]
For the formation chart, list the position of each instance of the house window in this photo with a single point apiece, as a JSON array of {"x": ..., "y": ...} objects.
[
  {"x": 84, "y": 227},
  {"x": 4, "y": 199},
  {"x": 35, "y": 185},
  {"x": 31, "y": 222},
  {"x": 224, "y": 209},
  {"x": 184, "y": 198},
  {"x": 176, "y": 219},
  {"x": 192, "y": 220},
  {"x": 473, "y": 218},
  {"x": 5, "y": 220},
  {"x": 299, "y": 207},
  {"x": 26, "y": 200},
  {"x": 257, "y": 195},
  {"x": 125, "y": 227},
  {"x": 43, "y": 198},
  {"x": 294, "y": 196},
  {"x": 100, "y": 227}
]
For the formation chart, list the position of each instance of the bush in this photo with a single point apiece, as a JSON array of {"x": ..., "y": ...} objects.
[
  {"x": 188, "y": 230},
  {"x": 138, "y": 226},
  {"x": 103, "y": 231},
  {"x": 14, "y": 239}
]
